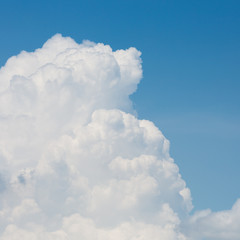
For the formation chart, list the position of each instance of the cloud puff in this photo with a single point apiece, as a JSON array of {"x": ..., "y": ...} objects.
[
  {"x": 215, "y": 225},
  {"x": 75, "y": 163}
]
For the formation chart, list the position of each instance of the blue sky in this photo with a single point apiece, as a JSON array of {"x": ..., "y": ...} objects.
[{"x": 190, "y": 89}]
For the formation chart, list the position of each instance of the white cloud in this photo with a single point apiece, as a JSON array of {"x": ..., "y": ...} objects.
[
  {"x": 75, "y": 163},
  {"x": 215, "y": 225}
]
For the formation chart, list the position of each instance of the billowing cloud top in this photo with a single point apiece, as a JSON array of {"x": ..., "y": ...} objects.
[{"x": 76, "y": 164}]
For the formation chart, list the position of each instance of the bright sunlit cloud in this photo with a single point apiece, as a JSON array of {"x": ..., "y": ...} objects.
[{"x": 76, "y": 163}]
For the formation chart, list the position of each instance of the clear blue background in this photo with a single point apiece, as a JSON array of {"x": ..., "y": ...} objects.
[{"x": 190, "y": 51}]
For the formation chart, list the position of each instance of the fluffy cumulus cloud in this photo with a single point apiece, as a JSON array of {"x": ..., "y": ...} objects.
[{"x": 76, "y": 163}]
